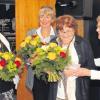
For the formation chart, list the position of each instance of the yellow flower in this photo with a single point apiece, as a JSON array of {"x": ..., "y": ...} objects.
[
  {"x": 1, "y": 67},
  {"x": 7, "y": 55},
  {"x": 23, "y": 44},
  {"x": 51, "y": 55},
  {"x": 34, "y": 43},
  {"x": 45, "y": 48},
  {"x": 58, "y": 49},
  {"x": 27, "y": 39},
  {"x": 1, "y": 53},
  {"x": 11, "y": 67},
  {"x": 53, "y": 45},
  {"x": 37, "y": 38},
  {"x": 40, "y": 51}
]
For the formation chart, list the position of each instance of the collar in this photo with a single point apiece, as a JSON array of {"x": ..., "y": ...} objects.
[
  {"x": 72, "y": 42},
  {"x": 38, "y": 31},
  {"x": 78, "y": 38}
]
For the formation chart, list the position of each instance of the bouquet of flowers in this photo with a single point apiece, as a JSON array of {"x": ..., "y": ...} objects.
[
  {"x": 10, "y": 65},
  {"x": 28, "y": 46},
  {"x": 48, "y": 61}
]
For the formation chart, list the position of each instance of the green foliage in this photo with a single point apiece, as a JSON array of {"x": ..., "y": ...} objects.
[
  {"x": 49, "y": 62},
  {"x": 10, "y": 65}
]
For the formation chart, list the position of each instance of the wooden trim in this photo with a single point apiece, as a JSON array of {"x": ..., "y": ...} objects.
[{"x": 80, "y": 27}]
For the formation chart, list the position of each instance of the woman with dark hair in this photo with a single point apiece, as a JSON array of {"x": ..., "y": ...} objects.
[{"x": 71, "y": 87}]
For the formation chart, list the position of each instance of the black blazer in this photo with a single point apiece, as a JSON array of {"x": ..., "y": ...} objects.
[{"x": 86, "y": 60}]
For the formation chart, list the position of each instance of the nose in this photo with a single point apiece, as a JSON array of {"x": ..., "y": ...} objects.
[{"x": 43, "y": 18}]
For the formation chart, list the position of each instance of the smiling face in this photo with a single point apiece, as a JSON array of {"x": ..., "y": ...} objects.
[
  {"x": 46, "y": 17},
  {"x": 66, "y": 34},
  {"x": 45, "y": 21},
  {"x": 67, "y": 28}
]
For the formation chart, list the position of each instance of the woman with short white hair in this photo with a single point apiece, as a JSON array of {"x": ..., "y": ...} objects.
[{"x": 44, "y": 90}]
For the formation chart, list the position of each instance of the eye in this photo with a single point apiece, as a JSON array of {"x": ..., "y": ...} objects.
[{"x": 41, "y": 16}]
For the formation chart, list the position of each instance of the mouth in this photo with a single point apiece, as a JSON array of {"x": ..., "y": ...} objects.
[{"x": 44, "y": 23}]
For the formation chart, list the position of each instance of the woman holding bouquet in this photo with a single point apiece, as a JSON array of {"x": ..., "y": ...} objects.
[
  {"x": 6, "y": 88},
  {"x": 44, "y": 90},
  {"x": 71, "y": 87}
]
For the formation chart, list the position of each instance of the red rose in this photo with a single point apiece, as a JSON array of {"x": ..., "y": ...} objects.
[
  {"x": 63, "y": 54},
  {"x": 18, "y": 63},
  {"x": 2, "y": 62}
]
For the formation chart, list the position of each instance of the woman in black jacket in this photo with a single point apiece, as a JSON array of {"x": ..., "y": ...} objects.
[
  {"x": 94, "y": 74},
  {"x": 72, "y": 87}
]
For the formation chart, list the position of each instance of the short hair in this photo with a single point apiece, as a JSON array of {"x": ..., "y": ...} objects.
[
  {"x": 47, "y": 10},
  {"x": 98, "y": 18},
  {"x": 67, "y": 20}
]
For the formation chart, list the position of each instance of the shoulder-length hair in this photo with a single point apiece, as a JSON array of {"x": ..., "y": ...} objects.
[{"x": 68, "y": 21}]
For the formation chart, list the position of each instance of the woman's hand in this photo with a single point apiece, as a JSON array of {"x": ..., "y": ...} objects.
[
  {"x": 69, "y": 72},
  {"x": 82, "y": 72}
]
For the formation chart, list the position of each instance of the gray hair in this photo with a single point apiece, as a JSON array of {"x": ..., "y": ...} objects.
[{"x": 46, "y": 10}]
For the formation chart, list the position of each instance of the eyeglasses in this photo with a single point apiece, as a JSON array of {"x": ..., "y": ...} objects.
[{"x": 65, "y": 31}]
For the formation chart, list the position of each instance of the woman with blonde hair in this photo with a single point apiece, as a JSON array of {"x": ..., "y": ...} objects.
[{"x": 44, "y": 90}]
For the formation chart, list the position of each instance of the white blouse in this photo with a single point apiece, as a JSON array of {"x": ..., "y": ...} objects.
[
  {"x": 95, "y": 75},
  {"x": 47, "y": 39},
  {"x": 71, "y": 81}
]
